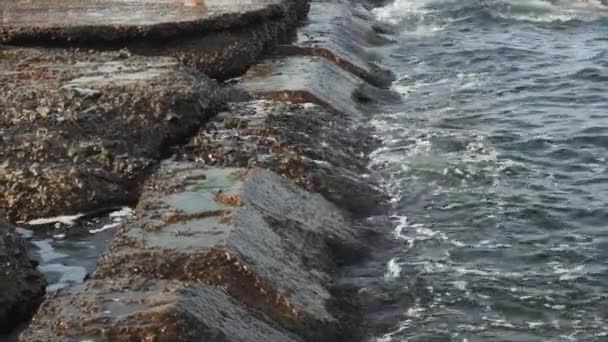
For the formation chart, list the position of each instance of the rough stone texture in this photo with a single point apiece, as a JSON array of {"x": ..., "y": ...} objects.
[
  {"x": 319, "y": 150},
  {"x": 312, "y": 79},
  {"x": 266, "y": 241},
  {"x": 139, "y": 309},
  {"x": 230, "y": 52},
  {"x": 22, "y": 286},
  {"x": 269, "y": 244},
  {"x": 79, "y": 131},
  {"x": 342, "y": 34},
  {"x": 221, "y": 38},
  {"x": 106, "y": 21}
]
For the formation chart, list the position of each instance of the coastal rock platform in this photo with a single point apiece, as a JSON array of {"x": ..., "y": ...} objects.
[
  {"x": 22, "y": 286},
  {"x": 221, "y": 38},
  {"x": 248, "y": 194}
]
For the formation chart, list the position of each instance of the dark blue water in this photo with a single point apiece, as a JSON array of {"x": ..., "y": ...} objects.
[{"x": 496, "y": 161}]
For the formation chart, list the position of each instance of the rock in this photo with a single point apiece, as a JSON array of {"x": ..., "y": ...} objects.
[
  {"x": 221, "y": 38},
  {"x": 82, "y": 130},
  {"x": 139, "y": 309},
  {"x": 271, "y": 246},
  {"x": 315, "y": 80},
  {"x": 22, "y": 286},
  {"x": 342, "y": 34},
  {"x": 319, "y": 150}
]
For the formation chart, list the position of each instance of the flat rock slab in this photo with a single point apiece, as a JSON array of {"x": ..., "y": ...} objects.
[
  {"x": 79, "y": 131},
  {"x": 22, "y": 286},
  {"x": 266, "y": 241},
  {"x": 221, "y": 38},
  {"x": 343, "y": 34},
  {"x": 319, "y": 150},
  {"x": 110, "y": 20},
  {"x": 308, "y": 79},
  {"x": 139, "y": 309}
]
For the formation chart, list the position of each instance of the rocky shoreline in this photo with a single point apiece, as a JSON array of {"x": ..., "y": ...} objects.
[{"x": 247, "y": 195}]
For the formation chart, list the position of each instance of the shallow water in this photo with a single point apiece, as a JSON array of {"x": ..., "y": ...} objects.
[
  {"x": 67, "y": 247},
  {"x": 496, "y": 161}
]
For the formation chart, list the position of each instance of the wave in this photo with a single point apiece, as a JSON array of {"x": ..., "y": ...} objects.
[{"x": 436, "y": 13}]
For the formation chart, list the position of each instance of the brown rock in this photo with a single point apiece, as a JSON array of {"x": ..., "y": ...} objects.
[
  {"x": 221, "y": 38},
  {"x": 341, "y": 33},
  {"x": 22, "y": 286},
  {"x": 319, "y": 150},
  {"x": 139, "y": 309},
  {"x": 81, "y": 130}
]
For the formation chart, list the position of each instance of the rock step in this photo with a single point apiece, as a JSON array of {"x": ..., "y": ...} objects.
[
  {"x": 221, "y": 38},
  {"x": 106, "y": 21},
  {"x": 140, "y": 309},
  {"x": 81, "y": 130},
  {"x": 309, "y": 79},
  {"x": 317, "y": 149},
  {"x": 268, "y": 243},
  {"x": 342, "y": 34}
]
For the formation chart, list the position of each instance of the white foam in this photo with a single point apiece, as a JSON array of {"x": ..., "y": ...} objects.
[
  {"x": 68, "y": 220},
  {"x": 460, "y": 285},
  {"x": 566, "y": 274},
  {"x": 105, "y": 227},
  {"x": 415, "y": 311},
  {"x": 393, "y": 269},
  {"x": 123, "y": 212}
]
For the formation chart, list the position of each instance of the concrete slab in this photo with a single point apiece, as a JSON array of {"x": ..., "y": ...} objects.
[{"x": 343, "y": 34}]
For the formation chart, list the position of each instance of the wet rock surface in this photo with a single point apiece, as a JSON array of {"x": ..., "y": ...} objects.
[
  {"x": 140, "y": 309},
  {"x": 307, "y": 79},
  {"x": 269, "y": 244},
  {"x": 320, "y": 150},
  {"x": 241, "y": 235},
  {"x": 22, "y": 286},
  {"x": 220, "y": 38},
  {"x": 342, "y": 34},
  {"x": 86, "y": 21},
  {"x": 81, "y": 130}
]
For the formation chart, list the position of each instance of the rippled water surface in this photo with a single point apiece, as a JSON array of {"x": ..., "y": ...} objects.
[{"x": 496, "y": 160}]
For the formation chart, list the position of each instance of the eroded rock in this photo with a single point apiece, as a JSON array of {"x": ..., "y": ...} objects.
[
  {"x": 22, "y": 286},
  {"x": 268, "y": 243},
  {"x": 271, "y": 246},
  {"x": 342, "y": 34},
  {"x": 140, "y": 309},
  {"x": 81, "y": 130},
  {"x": 321, "y": 151},
  {"x": 312, "y": 79}
]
